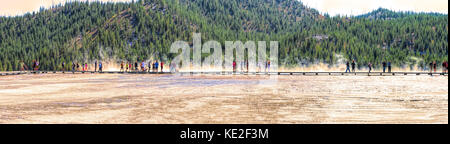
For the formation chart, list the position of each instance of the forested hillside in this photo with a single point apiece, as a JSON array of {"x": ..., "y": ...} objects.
[{"x": 145, "y": 29}]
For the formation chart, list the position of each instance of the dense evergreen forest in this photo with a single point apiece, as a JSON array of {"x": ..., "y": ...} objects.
[{"x": 145, "y": 29}]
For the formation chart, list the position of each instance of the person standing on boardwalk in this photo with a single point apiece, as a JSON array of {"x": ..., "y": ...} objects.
[
  {"x": 431, "y": 67},
  {"x": 348, "y": 67},
  {"x": 265, "y": 66},
  {"x": 78, "y": 66},
  {"x": 136, "y": 66},
  {"x": 234, "y": 66},
  {"x": 22, "y": 66},
  {"x": 122, "y": 67},
  {"x": 353, "y": 66},
  {"x": 73, "y": 67},
  {"x": 153, "y": 67},
  {"x": 384, "y": 67},
  {"x": 149, "y": 66},
  {"x": 100, "y": 67},
  {"x": 444, "y": 67},
  {"x": 95, "y": 65},
  {"x": 156, "y": 66},
  {"x": 162, "y": 66},
  {"x": 246, "y": 64},
  {"x": 143, "y": 66},
  {"x": 370, "y": 67},
  {"x": 126, "y": 67},
  {"x": 389, "y": 67},
  {"x": 63, "y": 65},
  {"x": 130, "y": 67},
  {"x": 36, "y": 65},
  {"x": 434, "y": 66}
]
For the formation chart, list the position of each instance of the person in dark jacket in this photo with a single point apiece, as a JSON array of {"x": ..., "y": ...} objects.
[
  {"x": 435, "y": 66},
  {"x": 353, "y": 66},
  {"x": 348, "y": 67},
  {"x": 73, "y": 67},
  {"x": 136, "y": 66}
]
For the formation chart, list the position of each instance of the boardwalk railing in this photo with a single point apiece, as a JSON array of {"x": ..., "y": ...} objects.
[{"x": 235, "y": 73}]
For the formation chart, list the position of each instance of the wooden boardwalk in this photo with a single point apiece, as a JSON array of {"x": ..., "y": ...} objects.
[{"x": 237, "y": 73}]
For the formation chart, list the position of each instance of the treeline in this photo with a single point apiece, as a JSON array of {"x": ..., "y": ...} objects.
[{"x": 145, "y": 29}]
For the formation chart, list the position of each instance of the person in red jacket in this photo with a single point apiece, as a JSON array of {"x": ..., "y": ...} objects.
[
  {"x": 444, "y": 67},
  {"x": 162, "y": 66},
  {"x": 234, "y": 66}
]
